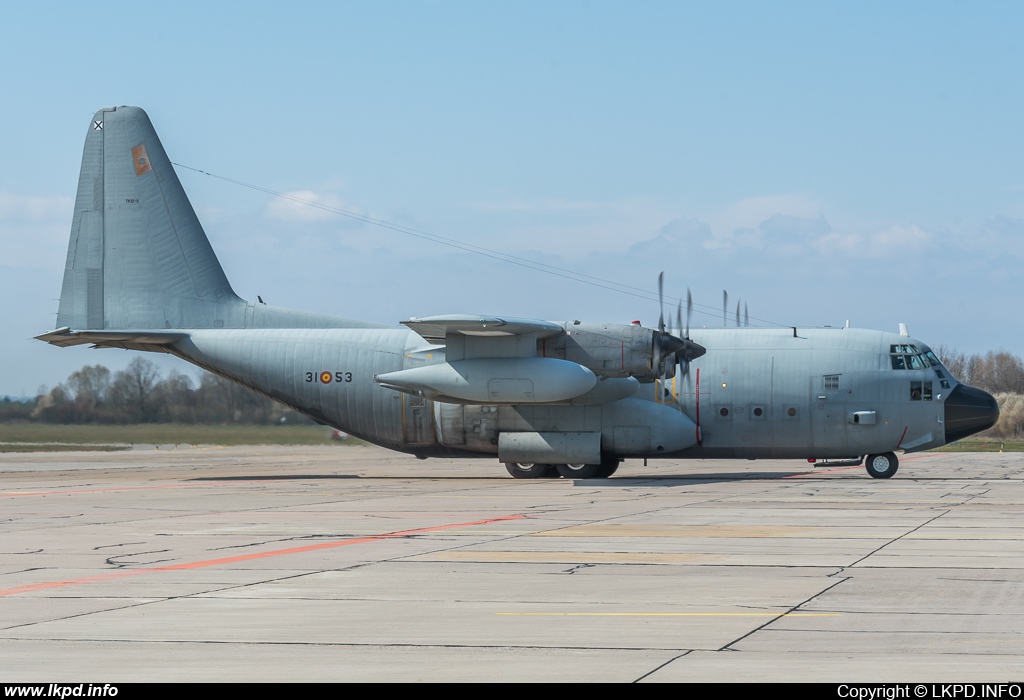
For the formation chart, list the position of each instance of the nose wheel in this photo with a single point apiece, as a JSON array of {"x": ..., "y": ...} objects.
[{"x": 882, "y": 466}]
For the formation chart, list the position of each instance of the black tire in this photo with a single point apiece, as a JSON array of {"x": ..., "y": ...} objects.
[
  {"x": 882, "y": 466},
  {"x": 520, "y": 470},
  {"x": 608, "y": 467},
  {"x": 578, "y": 471}
]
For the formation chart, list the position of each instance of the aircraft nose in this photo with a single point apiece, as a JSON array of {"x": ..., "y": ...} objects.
[{"x": 969, "y": 410}]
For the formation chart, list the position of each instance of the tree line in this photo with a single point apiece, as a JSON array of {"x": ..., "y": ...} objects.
[
  {"x": 139, "y": 394},
  {"x": 999, "y": 373}
]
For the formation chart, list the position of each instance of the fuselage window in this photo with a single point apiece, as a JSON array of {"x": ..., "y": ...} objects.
[
  {"x": 791, "y": 411},
  {"x": 920, "y": 391}
]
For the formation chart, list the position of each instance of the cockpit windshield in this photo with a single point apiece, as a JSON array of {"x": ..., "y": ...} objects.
[{"x": 911, "y": 357}]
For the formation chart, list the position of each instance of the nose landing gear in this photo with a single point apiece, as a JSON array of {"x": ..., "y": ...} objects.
[{"x": 882, "y": 466}]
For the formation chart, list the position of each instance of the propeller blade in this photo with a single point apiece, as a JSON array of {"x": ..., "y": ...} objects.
[
  {"x": 679, "y": 317},
  {"x": 737, "y": 313},
  {"x": 746, "y": 316},
  {"x": 661, "y": 302},
  {"x": 689, "y": 311},
  {"x": 725, "y": 308},
  {"x": 657, "y": 357}
]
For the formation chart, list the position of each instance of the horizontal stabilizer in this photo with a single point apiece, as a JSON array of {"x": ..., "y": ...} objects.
[{"x": 154, "y": 341}]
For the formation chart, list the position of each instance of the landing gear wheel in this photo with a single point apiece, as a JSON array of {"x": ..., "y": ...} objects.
[
  {"x": 524, "y": 470},
  {"x": 608, "y": 467},
  {"x": 882, "y": 466},
  {"x": 578, "y": 471}
]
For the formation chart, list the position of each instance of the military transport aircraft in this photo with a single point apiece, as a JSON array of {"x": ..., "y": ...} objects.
[{"x": 547, "y": 399}]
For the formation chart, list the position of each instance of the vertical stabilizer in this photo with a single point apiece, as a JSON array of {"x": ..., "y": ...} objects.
[{"x": 138, "y": 256}]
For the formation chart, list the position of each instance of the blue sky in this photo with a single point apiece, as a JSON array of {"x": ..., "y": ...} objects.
[{"x": 820, "y": 162}]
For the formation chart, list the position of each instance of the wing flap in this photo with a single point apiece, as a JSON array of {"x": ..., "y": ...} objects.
[{"x": 436, "y": 328}]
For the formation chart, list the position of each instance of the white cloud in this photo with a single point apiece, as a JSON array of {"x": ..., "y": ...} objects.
[
  {"x": 880, "y": 244},
  {"x": 675, "y": 236},
  {"x": 306, "y": 206},
  {"x": 752, "y": 211}
]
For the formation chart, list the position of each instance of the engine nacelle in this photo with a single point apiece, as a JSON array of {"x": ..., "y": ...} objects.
[{"x": 606, "y": 349}]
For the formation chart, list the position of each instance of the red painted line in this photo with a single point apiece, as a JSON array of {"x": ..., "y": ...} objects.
[
  {"x": 698, "y": 405},
  {"x": 924, "y": 456},
  {"x": 902, "y": 436},
  {"x": 186, "y": 566}
]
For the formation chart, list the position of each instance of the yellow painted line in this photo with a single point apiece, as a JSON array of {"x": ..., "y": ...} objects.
[{"x": 663, "y": 614}]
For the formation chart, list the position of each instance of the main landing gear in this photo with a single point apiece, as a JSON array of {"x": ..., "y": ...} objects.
[
  {"x": 882, "y": 466},
  {"x": 520, "y": 470}
]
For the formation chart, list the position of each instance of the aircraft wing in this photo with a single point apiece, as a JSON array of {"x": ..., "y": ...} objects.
[
  {"x": 154, "y": 341},
  {"x": 437, "y": 328}
]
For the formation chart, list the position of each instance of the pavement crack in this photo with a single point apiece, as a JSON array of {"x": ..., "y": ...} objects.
[
  {"x": 727, "y": 647},
  {"x": 112, "y": 561},
  {"x": 896, "y": 539},
  {"x": 661, "y": 666}
]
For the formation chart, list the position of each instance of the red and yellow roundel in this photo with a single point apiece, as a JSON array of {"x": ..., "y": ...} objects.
[{"x": 326, "y": 377}]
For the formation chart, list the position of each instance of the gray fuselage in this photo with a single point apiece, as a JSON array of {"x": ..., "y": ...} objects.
[{"x": 755, "y": 394}]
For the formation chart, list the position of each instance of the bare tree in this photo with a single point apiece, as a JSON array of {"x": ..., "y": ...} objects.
[
  {"x": 132, "y": 391},
  {"x": 89, "y": 387}
]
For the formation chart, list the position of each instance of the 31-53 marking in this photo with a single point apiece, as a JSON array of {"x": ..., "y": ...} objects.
[{"x": 327, "y": 377}]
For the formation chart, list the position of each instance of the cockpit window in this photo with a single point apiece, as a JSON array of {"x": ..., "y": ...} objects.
[{"x": 911, "y": 357}]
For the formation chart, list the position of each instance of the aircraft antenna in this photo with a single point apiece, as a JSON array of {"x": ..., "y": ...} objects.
[{"x": 554, "y": 270}]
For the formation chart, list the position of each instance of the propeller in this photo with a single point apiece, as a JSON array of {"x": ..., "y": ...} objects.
[{"x": 671, "y": 348}]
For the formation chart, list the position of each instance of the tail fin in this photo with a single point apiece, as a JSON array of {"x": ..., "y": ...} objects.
[{"x": 138, "y": 256}]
